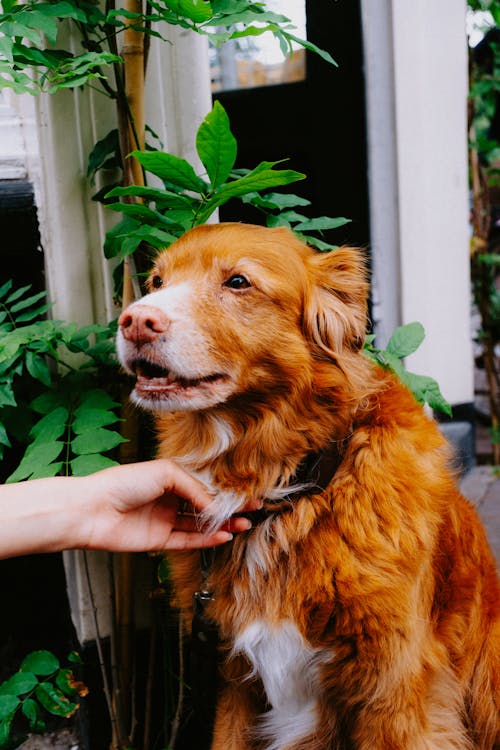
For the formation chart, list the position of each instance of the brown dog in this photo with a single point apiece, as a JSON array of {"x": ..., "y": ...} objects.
[{"x": 362, "y": 611}]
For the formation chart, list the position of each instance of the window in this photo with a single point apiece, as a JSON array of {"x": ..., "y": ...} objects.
[{"x": 258, "y": 60}]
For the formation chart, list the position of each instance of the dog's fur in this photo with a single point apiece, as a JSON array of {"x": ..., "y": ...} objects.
[{"x": 363, "y": 617}]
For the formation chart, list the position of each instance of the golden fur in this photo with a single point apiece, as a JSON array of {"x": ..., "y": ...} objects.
[{"x": 385, "y": 580}]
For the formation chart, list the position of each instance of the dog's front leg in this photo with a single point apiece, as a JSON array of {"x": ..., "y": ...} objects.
[{"x": 238, "y": 705}]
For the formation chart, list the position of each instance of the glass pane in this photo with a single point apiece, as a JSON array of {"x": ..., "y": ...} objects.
[{"x": 258, "y": 60}]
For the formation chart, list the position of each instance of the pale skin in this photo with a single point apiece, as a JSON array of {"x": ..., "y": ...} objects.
[{"x": 129, "y": 508}]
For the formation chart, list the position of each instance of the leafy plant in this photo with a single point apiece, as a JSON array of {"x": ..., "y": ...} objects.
[
  {"x": 484, "y": 160},
  {"x": 404, "y": 341},
  {"x": 29, "y": 33},
  {"x": 187, "y": 200},
  {"x": 40, "y": 688},
  {"x": 72, "y": 436}
]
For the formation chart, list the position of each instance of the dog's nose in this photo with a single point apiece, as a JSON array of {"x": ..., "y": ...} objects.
[{"x": 142, "y": 324}]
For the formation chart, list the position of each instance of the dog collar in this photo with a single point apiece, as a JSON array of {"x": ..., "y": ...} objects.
[{"x": 313, "y": 476}]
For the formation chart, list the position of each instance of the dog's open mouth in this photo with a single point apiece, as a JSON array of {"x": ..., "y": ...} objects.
[{"x": 156, "y": 381}]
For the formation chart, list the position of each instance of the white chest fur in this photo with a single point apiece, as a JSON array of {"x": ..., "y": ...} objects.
[{"x": 288, "y": 667}]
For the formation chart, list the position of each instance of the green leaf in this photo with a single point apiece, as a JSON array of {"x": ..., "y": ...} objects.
[
  {"x": 89, "y": 419},
  {"x": 32, "y": 712},
  {"x": 8, "y": 705},
  {"x": 19, "y": 684},
  {"x": 5, "y": 288},
  {"x": 54, "y": 701},
  {"x": 17, "y": 293},
  {"x": 28, "y": 302},
  {"x": 38, "y": 367},
  {"x": 264, "y": 176},
  {"x": 74, "y": 657},
  {"x": 165, "y": 198},
  {"x": 35, "y": 19},
  {"x": 274, "y": 201},
  {"x": 62, "y": 10},
  {"x": 82, "y": 466},
  {"x": 321, "y": 223},
  {"x": 96, "y": 399},
  {"x": 37, "y": 461},
  {"x": 66, "y": 683},
  {"x": 51, "y": 426},
  {"x": 47, "y": 401},
  {"x": 171, "y": 169},
  {"x": 406, "y": 339},
  {"x": 313, "y": 48},
  {"x": 216, "y": 145},
  {"x": 5, "y": 733},
  {"x": 96, "y": 441},
  {"x": 197, "y": 11},
  {"x": 41, "y": 663},
  {"x": 426, "y": 390},
  {"x": 4, "y": 439},
  {"x": 103, "y": 149},
  {"x": 7, "y": 397}
]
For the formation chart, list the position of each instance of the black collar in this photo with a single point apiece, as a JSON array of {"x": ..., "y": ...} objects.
[{"x": 313, "y": 476}]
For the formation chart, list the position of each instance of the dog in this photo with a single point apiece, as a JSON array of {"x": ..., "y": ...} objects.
[{"x": 362, "y": 609}]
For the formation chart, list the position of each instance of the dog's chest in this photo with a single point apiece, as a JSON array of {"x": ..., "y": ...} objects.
[{"x": 289, "y": 669}]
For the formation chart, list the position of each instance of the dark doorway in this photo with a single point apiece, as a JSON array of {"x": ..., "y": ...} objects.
[{"x": 318, "y": 124}]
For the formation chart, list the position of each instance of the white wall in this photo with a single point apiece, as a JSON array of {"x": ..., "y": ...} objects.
[{"x": 416, "y": 73}]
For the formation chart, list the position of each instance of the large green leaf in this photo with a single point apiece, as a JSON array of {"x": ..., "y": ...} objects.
[
  {"x": 98, "y": 440},
  {"x": 54, "y": 701},
  {"x": 106, "y": 148},
  {"x": 426, "y": 390},
  {"x": 50, "y": 427},
  {"x": 38, "y": 368},
  {"x": 171, "y": 168},
  {"x": 260, "y": 178},
  {"x": 197, "y": 11},
  {"x": 96, "y": 399},
  {"x": 37, "y": 461},
  {"x": 19, "y": 684},
  {"x": 321, "y": 223},
  {"x": 216, "y": 145},
  {"x": 82, "y": 466},
  {"x": 406, "y": 339},
  {"x": 87, "y": 419},
  {"x": 40, "y": 662},
  {"x": 8, "y": 705},
  {"x": 33, "y": 713}
]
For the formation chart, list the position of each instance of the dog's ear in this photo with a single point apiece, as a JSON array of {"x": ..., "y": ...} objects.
[{"x": 336, "y": 302}]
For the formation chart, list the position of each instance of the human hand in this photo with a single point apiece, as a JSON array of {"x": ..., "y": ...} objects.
[{"x": 136, "y": 507}]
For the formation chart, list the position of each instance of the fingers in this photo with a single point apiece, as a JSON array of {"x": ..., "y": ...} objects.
[
  {"x": 191, "y": 523},
  {"x": 197, "y": 540}
]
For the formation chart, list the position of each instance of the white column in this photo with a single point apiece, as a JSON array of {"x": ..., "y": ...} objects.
[{"x": 418, "y": 137}]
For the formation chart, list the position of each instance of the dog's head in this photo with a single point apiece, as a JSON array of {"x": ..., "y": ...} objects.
[{"x": 238, "y": 309}]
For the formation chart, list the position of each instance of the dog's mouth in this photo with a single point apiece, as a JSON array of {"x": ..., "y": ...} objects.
[{"x": 155, "y": 381}]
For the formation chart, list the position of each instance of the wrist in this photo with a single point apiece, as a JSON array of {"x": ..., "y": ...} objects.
[{"x": 40, "y": 515}]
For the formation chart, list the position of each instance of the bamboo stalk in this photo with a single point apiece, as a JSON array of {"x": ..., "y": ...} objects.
[{"x": 132, "y": 121}]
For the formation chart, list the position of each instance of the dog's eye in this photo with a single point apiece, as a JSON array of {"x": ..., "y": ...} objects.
[
  {"x": 237, "y": 282},
  {"x": 156, "y": 282}
]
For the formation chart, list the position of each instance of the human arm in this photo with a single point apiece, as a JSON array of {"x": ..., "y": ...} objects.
[{"x": 134, "y": 507}]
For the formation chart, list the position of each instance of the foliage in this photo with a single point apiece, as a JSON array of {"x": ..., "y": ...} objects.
[
  {"x": 39, "y": 689},
  {"x": 484, "y": 163},
  {"x": 404, "y": 341},
  {"x": 187, "y": 200},
  {"x": 29, "y": 34},
  {"x": 65, "y": 414}
]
